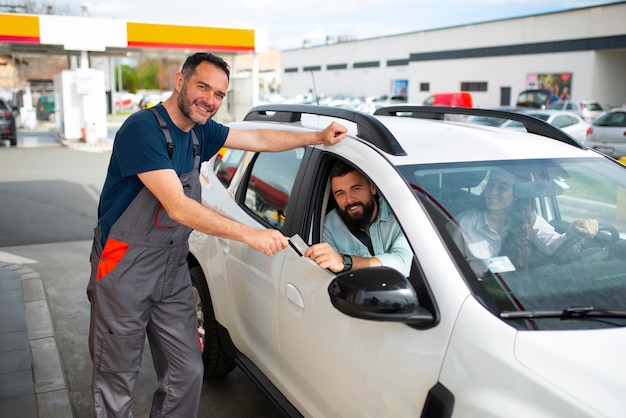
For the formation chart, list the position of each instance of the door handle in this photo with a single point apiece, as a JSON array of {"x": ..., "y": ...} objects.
[{"x": 293, "y": 294}]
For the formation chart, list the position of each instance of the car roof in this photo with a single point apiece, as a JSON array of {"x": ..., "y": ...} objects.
[
  {"x": 420, "y": 135},
  {"x": 428, "y": 141}
]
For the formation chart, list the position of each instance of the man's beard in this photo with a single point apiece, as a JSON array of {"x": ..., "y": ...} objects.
[
  {"x": 362, "y": 221},
  {"x": 185, "y": 105}
]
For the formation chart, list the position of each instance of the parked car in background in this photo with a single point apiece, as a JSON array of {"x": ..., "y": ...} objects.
[
  {"x": 8, "y": 128},
  {"x": 126, "y": 101},
  {"x": 570, "y": 123},
  {"x": 588, "y": 109},
  {"x": 534, "y": 98},
  {"x": 46, "y": 107},
  {"x": 153, "y": 99},
  {"x": 463, "y": 333},
  {"x": 607, "y": 133},
  {"x": 454, "y": 99}
]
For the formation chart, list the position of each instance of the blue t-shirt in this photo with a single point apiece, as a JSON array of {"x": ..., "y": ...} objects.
[{"x": 140, "y": 146}]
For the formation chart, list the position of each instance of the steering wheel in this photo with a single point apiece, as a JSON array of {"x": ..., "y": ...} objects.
[{"x": 607, "y": 233}]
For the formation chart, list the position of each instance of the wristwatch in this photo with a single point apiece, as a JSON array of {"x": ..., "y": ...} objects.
[{"x": 347, "y": 262}]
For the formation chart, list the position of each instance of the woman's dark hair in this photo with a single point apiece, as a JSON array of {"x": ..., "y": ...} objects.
[
  {"x": 192, "y": 62},
  {"x": 518, "y": 243}
]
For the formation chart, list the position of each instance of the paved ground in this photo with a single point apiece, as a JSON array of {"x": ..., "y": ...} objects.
[
  {"x": 32, "y": 377},
  {"x": 45, "y": 369}
]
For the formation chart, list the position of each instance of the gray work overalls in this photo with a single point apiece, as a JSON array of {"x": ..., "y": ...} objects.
[{"x": 140, "y": 284}]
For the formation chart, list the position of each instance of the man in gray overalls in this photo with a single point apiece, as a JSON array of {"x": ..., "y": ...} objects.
[{"x": 150, "y": 202}]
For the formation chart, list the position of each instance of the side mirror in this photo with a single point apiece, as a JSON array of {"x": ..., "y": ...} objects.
[{"x": 378, "y": 294}]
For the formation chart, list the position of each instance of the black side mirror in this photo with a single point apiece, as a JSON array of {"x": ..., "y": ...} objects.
[{"x": 378, "y": 294}]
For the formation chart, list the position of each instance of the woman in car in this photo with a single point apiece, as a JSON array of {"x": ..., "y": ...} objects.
[{"x": 505, "y": 233}]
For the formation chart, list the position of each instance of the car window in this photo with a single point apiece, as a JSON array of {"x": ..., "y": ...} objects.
[
  {"x": 563, "y": 121},
  {"x": 3, "y": 105},
  {"x": 592, "y": 106},
  {"x": 270, "y": 185},
  {"x": 226, "y": 164},
  {"x": 612, "y": 119},
  {"x": 515, "y": 124},
  {"x": 537, "y": 258}
]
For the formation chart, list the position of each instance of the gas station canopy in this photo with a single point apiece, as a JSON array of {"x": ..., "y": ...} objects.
[
  {"x": 80, "y": 93},
  {"x": 61, "y": 35}
]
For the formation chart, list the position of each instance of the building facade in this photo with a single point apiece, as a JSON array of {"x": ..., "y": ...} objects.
[{"x": 581, "y": 54}]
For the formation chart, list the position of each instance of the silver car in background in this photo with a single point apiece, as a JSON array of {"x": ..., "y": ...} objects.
[{"x": 607, "y": 133}]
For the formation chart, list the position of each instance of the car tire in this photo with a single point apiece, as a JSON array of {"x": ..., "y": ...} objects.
[{"x": 217, "y": 361}]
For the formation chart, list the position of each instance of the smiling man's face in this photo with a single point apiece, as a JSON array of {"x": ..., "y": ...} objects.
[
  {"x": 354, "y": 195},
  {"x": 202, "y": 94}
]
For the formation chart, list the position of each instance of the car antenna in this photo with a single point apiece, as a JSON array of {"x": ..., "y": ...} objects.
[{"x": 317, "y": 98}]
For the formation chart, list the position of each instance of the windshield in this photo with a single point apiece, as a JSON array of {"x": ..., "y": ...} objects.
[
  {"x": 540, "y": 235},
  {"x": 592, "y": 106}
]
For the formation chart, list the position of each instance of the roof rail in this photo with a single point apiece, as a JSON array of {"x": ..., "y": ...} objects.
[
  {"x": 369, "y": 128},
  {"x": 532, "y": 125}
]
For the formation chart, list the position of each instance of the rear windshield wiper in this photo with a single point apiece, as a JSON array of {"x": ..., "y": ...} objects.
[{"x": 575, "y": 312}]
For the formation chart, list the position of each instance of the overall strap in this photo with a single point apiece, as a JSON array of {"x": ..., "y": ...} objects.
[{"x": 168, "y": 136}]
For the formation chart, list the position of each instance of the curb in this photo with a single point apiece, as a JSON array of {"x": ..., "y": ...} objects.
[{"x": 49, "y": 384}]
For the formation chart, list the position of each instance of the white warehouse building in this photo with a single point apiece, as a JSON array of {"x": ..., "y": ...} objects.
[{"x": 579, "y": 53}]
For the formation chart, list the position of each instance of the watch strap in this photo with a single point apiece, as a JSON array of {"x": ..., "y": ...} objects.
[{"x": 347, "y": 262}]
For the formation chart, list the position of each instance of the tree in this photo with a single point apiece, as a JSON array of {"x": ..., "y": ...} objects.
[
  {"x": 42, "y": 8},
  {"x": 148, "y": 74},
  {"x": 129, "y": 78}
]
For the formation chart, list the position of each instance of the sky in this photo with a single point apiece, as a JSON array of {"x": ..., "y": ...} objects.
[{"x": 289, "y": 23}]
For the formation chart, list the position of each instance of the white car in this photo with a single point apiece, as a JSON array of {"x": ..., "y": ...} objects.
[
  {"x": 544, "y": 339},
  {"x": 607, "y": 133},
  {"x": 570, "y": 123},
  {"x": 588, "y": 109}
]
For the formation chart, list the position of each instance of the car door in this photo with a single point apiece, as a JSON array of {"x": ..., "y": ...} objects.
[
  {"x": 334, "y": 365},
  {"x": 248, "y": 277}
]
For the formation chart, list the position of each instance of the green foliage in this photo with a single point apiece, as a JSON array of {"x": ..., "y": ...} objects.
[
  {"x": 129, "y": 78},
  {"x": 148, "y": 74}
]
